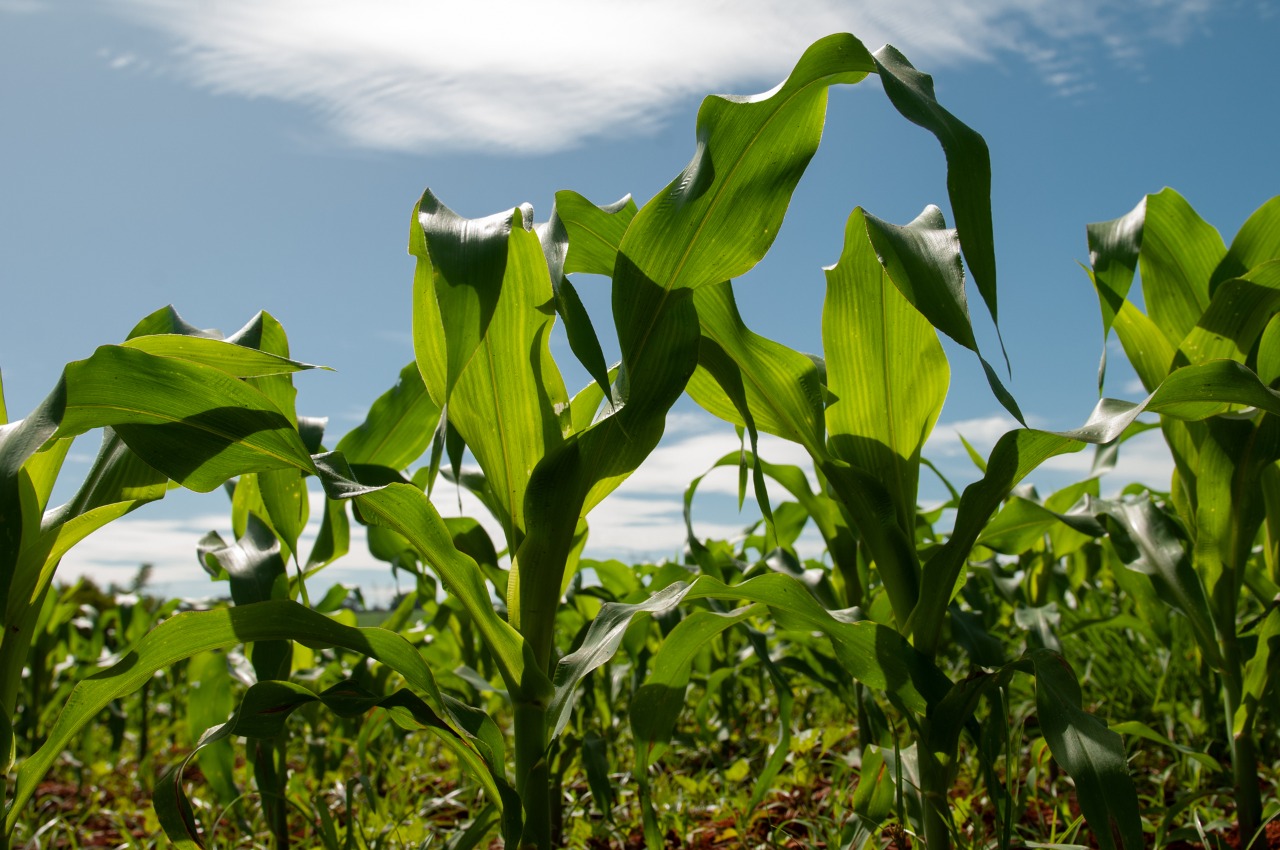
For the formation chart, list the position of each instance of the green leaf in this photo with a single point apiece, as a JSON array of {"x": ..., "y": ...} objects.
[
  {"x": 230, "y": 358},
  {"x": 595, "y": 232},
  {"x": 461, "y": 264},
  {"x": 1259, "y": 674},
  {"x": 554, "y": 236},
  {"x": 1139, "y": 729},
  {"x": 167, "y": 321},
  {"x": 117, "y": 483},
  {"x": 210, "y": 675},
  {"x": 658, "y": 702},
  {"x": 1113, "y": 255},
  {"x": 968, "y": 164},
  {"x": 715, "y": 221},
  {"x": 885, "y": 367},
  {"x": 1149, "y": 541},
  {"x": 195, "y": 423},
  {"x": 1235, "y": 318},
  {"x": 1179, "y": 254},
  {"x": 507, "y": 399},
  {"x": 19, "y": 441},
  {"x": 1145, "y": 346},
  {"x": 720, "y": 215},
  {"x": 782, "y": 387},
  {"x": 1257, "y": 241},
  {"x": 398, "y": 428},
  {"x": 923, "y": 260},
  {"x": 1091, "y": 754},
  {"x": 1021, "y": 523},
  {"x": 873, "y": 654},
  {"x": 252, "y": 563},
  {"x": 406, "y": 510}
]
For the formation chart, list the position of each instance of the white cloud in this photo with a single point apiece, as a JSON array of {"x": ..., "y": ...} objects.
[
  {"x": 525, "y": 77},
  {"x": 981, "y": 432}
]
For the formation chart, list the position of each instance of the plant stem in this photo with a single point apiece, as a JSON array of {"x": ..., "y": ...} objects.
[
  {"x": 533, "y": 775},
  {"x": 934, "y": 785},
  {"x": 1244, "y": 757}
]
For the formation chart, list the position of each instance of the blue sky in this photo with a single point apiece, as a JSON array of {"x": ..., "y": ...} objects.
[{"x": 265, "y": 154}]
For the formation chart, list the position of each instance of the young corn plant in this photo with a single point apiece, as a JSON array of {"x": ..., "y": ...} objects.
[
  {"x": 1210, "y": 308},
  {"x": 174, "y": 406},
  {"x": 864, "y": 416}
]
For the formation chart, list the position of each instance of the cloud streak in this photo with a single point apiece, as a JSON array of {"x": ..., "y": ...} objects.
[{"x": 530, "y": 78}]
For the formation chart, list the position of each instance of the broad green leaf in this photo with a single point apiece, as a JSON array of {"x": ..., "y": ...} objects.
[
  {"x": 1146, "y": 347},
  {"x": 4, "y": 410},
  {"x": 252, "y": 563},
  {"x": 334, "y": 538},
  {"x": 782, "y": 387},
  {"x": 1178, "y": 256},
  {"x": 1230, "y": 506},
  {"x": 1113, "y": 256},
  {"x": 210, "y": 679},
  {"x": 507, "y": 399},
  {"x": 406, "y": 510},
  {"x": 1239, "y": 312},
  {"x": 398, "y": 428},
  {"x": 19, "y": 441},
  {"x": 1139, "y": 729},
  {"x": 714, "y": 222},
  {"x": 594, "y": 231},
  {"x": 923, "y": 260},
  {"x": 586, "y": 405},
  {"x": 167, "y": 321},
  {"x": 1257, "y": 241},
  {"x": 117, "y": 483},
  {"x": 1193, "y": 392},
  {"x": 1147, "y": 540},
  {"x": 873, "y": 797},
  {"x": 968, "y": 164},
  {"x": 1260, "y": 674},
  {"x": 870, "y": 653},
  {"x": 195, "y": 423},
  {"x": 658, "y": 702},
  {"x": 284, "y": 494},
  {"x": 1269, "y": 352},
  {"x": 231, "y": 358},
  {"x": 885, "y": 367},
  {"x": 1022, "y": 522},
  {"x": 720, "y": 215},
  {"x": 283, "y": 491},
  {"x": 554, "y": 236},
  {"x": 1091, "y": 754},
  {"x": 460, "y": 268}
]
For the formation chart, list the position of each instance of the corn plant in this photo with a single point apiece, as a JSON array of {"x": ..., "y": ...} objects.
[
  {"x": 174, "y": 406},
  {"x": 485, "y": 295},
  {"x": 1208, "y": 306}
]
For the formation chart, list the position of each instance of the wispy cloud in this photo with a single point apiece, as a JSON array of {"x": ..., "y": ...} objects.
[{"x": 523, "y": 77}]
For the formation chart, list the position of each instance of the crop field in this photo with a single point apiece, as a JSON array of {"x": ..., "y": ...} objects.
[{"x": 1092, "y": 667}]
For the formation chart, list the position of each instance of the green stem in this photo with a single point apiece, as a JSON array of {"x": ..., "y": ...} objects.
[
  {"x": 934, "y": 785},
  {"x": 533, "y": 775},
  {"x": 1244, "y": 757}
]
